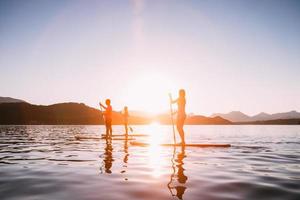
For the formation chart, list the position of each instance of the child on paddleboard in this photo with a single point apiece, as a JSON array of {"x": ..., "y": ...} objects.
[{"x": 125, "y": 117}]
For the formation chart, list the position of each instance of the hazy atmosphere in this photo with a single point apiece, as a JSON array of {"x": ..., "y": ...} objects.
[
  {"x": 150, "y": 99},
  {"x": 228, "y": 55}
]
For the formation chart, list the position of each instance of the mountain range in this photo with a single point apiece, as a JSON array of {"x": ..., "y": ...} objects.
[
  {"x": 16, "y": 111},
  {"x": 21, "y": 113},
  {"x": 237, "y": 116}
]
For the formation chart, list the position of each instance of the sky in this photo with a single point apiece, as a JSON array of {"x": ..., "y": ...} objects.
[{"x": 227, "y": 55}]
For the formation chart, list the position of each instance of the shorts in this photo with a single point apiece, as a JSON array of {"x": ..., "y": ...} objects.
[{"x": 108, "y": 123}]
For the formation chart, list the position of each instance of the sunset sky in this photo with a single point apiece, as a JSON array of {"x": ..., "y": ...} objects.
[{"x": 228, "y": 55}]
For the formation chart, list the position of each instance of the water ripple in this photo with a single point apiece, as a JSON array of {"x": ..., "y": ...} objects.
[{"x": 47, "y": 162}]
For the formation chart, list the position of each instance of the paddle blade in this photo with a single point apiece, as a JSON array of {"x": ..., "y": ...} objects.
[{"x": 170, "y": 97}]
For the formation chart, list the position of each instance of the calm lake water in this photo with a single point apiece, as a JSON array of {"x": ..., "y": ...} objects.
[{"x": 47, "y": 162}]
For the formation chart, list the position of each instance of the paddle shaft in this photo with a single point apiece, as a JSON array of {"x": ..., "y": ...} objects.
[
  {"x": 171, "y": 110},
  {"x": 102, "y": 113}
]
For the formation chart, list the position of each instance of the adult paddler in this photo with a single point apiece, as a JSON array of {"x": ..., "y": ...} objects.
[{"x": 181, "y": 115}]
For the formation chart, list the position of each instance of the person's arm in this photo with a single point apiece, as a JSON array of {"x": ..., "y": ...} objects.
[
  {"x": 101, "y": 105},
  {"x": 174, "y": 101}
]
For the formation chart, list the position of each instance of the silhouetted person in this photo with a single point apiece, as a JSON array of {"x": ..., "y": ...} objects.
[
  {"x": 180, "y": 114},
  {"x": 108, "y": 117},
  {"x": 125, "y": 118}
]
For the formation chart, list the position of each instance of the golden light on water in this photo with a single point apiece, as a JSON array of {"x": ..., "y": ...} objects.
[
  {"x": 155, "y": 135},
  {"x": 156, "y": 160}
]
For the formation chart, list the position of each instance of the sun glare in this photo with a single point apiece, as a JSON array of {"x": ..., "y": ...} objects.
[{"x": 149, "y": 92}]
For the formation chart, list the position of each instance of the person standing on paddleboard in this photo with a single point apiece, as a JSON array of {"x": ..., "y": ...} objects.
[
  {"x": 180, "y": 114},
  {"x": 108, "y": 117},
  {"x": 125, "y": 117}
]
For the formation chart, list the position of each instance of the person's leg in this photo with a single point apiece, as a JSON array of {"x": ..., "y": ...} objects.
[
  {"x": 180, "y": 123},
  {"x": 181, "y": 133},
  {"x": 110, "y": 128},
  {"x": 126, "y": 129},
  {"x": 107, "y": 128}
]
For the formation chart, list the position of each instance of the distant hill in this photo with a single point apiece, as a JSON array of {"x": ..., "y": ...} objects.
[
  {"x": 65, "y": 113},
  {"x": 237, "y": 116},
  {"x": 198, "y": 119},
  {"x": 10, "y": 100},
  {"x": 273, "y": 122},
  {"x": 234, "y": 116},
  {"x": 195, "y": 120},
  {"x": 260, "y": 117},
  {"x": 286, "y": 115},
  {"x": 75, "y": 113}
]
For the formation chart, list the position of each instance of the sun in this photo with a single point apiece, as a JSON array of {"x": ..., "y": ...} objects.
[{"x": 149, "y": 92}]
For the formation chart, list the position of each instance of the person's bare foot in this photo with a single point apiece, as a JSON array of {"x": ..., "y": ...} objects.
[{"x": 181, "y": 144}]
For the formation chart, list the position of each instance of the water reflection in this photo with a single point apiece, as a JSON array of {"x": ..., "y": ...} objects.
[
  {"x": 156, "y": 161},
  {"x": 34, "y": 161},
  {"x": 126, "y": 156},
  {"x": 178, "y": 179},
  {"x": 108, "y": 157}
]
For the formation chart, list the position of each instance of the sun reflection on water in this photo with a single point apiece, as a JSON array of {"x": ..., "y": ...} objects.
[{"x": 156, "y": 160}]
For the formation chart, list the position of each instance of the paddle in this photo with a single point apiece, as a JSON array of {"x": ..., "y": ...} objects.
[
  {"x": 174, "y": 149},
  {"x": 101, "y": 112},
  {"x": 171, "y": 110},
  {"x": 101, "y": 109},
  {"x": 131, "y": 129}
]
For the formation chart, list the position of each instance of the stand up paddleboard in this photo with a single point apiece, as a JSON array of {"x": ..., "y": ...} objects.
[
  {"x": 86, "y": 137},
  {"x": 123, "y": 135},
  {"x": 141, "y": 144}
]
